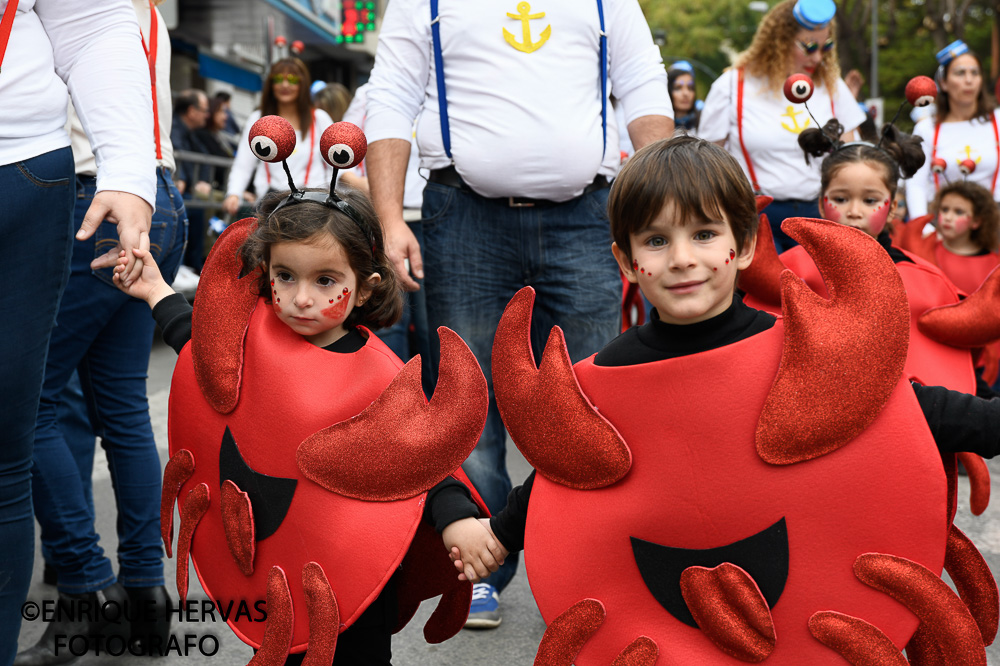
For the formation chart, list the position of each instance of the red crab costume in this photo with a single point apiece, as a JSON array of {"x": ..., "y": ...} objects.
[
  {"x": 749, "y": 502},
  {"x": 301, "y": 474}
]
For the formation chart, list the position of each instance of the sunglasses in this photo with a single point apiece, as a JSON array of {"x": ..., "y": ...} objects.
[
  {"x": 293, "y": 79},
  {"x": 811, "y": 47}
]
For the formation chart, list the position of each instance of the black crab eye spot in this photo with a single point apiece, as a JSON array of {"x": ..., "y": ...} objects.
[
  {"x": 798, "y": 88},
  {"x": 340, "y": 155},
  {"x": 264, "y": 148}
]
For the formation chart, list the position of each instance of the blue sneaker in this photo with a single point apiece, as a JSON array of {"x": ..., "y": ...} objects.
[{"x": 485, "y": 610}]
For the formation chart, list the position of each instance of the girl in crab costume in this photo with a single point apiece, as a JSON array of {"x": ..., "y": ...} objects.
[
  {"x": 751, "y": 513},
  {"x": 299, "y": 449}
]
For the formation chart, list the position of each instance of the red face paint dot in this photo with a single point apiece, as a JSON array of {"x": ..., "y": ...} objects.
[
  {"x": 345, "y": 291},
  {"x": 715, "y": 269},
  {"x": 732, "y": 254},
  {"x": 727, "y": 261},
  {"x": 635, "y": 265},
  {"x": 331, "y": 300},
  {"x": 338, "y": 297},
  {"x": 272, "y": 283}
]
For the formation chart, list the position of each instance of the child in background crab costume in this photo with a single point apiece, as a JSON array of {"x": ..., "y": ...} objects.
[
  {"x": 299, "y": 449},
  {"x": 714, "y": 487}
]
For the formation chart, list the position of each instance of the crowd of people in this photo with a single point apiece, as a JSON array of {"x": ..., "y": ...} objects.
[{"x": 593, "y": 168}]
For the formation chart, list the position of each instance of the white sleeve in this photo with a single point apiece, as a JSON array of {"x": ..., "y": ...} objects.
[
  {"x": 355, "y": 112},
  {"x": 98, "y": 52},
  {"x": 323, "y": 120},
  {"x": 916, "y": 187},
  {"x": 635, "y": 69},
  {"x": 848, "y": 110},
  {"x": 402, "y": 69},
  {"x": 245, "y": 164},
  {"x": 715, "y": 124}
]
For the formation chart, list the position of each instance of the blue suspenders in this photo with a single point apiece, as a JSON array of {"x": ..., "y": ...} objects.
[{"x": 443, "y": 100}]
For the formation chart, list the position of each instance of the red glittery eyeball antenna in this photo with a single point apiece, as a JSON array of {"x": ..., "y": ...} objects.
[
  {"x": 967, "y": 166},
  {"x": 798, "y": 89},
  {"x": 272, "y": 139},
  {"x": 343, "y": 146},
  {"x": 920, "y": 91}
]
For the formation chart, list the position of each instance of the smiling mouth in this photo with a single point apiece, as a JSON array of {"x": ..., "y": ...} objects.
[
  {"x": 764, "y": 556},
  {"x": 685, "y": 286}
]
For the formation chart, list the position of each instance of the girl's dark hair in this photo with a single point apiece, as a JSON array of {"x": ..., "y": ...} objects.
[
  {"x": 984, "y": 211},
  {"x": 699, "y": 178},
  {"x": 214, "y": 105},
  {"x": 310, "y": 220},
  {"x": 694, "y": 115},
  {"x": 900, "y": 154},
  {"x": 268, "y": 103},
  {"x": 984, "y": 105}
]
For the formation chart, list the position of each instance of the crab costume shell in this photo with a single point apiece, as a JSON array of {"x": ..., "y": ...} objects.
[
  {"x": 303, "y": 489},
  {"x": 748, "y": 502}
]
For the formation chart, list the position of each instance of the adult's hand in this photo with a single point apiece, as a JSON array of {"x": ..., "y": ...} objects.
[
  {"x": 132, "y": 215},
  {"x": 231, "y": 204},
  {"x": 401, "y": 245}
]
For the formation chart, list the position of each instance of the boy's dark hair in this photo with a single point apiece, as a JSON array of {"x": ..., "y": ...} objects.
[
  {"x": 699, "y": 178},
  {"x": 899, "y": 155},
  {"x": 984, "y": 211},
  {"x": 309, "y": 220}
]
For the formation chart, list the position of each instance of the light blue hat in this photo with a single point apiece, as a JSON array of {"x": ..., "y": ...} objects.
[
  {"x": 813, "y": 14},
  {"x": 683, "y": 65},
  {"x": 952, "y": 51},
  {"x": 316, "y": 86}
]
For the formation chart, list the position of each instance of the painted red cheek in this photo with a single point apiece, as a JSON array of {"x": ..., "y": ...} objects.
[
  {"x": 335, "y": 311},
  {"x": 830, "y": 211}
]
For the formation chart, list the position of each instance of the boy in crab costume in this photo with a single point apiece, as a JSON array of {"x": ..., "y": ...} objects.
[
  {"x": 312, "y": 475},
  {"x": 722, "y": 486}
]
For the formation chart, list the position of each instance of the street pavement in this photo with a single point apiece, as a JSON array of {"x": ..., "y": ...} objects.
[{"x": 512, "y": 644}]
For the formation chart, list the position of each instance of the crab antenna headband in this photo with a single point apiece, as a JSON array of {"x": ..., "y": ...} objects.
[
  {"x": 920, "y": 92},
  {"x": 798, "y": 89},
  {"x": 343, "y": 145}
]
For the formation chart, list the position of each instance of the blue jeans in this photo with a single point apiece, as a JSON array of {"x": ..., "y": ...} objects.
[
  {"x": 779, "y": 211},
  {"x": 477, "y": 253},
  {"x": 108, "y": 335},
  {"x": 35, "y": 224}
]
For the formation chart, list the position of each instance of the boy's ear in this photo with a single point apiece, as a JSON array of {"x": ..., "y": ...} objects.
[
  {"x": 624, "y": 263},
  {"x": 745, "y": 257}
]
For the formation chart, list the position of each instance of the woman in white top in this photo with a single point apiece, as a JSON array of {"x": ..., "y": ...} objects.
[
  {"x": 965, "y": 127},
  {"x": 747, "y": 112},
  {"x": 286, "y": 94}
]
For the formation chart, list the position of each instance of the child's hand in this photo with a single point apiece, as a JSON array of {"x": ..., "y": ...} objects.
[
  {"x": 150, "y": 285},
  {"x": 473, "y": 547}
]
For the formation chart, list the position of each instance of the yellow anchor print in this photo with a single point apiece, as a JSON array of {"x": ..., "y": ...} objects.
[
  {"x": 792, "y": 114},
  {"x": 968, "y": 156},
  {"x": 524, "y": 15}
]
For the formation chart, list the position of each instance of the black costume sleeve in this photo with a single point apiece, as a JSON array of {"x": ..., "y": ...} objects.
[
  {"x": 508, "y": 525},
  {"x": 447, "y": 502},
  {"x": 959, "y": 421},
  {"x": 173, "y": 316},
  {"x": 983, "y": 390}
]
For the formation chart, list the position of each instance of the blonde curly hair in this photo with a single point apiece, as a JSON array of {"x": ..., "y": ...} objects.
[{"x": 769, "y": 55}]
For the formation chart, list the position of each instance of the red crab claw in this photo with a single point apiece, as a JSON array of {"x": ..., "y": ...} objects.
[
  {"x": 762, "y": 278},
  {"x": 979, "y": 482},
  {"x": 566, "y": 635},
  {"x": 401, "y": 445},
  {"x": 177, "y": 471},
  {"x": 948, "y": 635},
  {"x": 324, "y": 616},
  {"x": 221, "y": 315},
  {"x": 194, "y": 507},
  {"x": 974, "y": 582},
  {"x": 763, "y": 201},
  {"x": 643, "y": 651},
  {"x": 974, "y": 322},
  {"x": 730, "y": 610},
  {"x": 544, "y": 407},
  {"x": 912, "y": 238},
  {"x": 278, "y": 630},
  {"x": 857, "y": 641},
  {"x": 237, "y": 523},
  {"x": 853, "y": 345}
]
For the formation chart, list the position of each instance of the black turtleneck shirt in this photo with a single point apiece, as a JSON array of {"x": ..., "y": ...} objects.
[{"x": 957, "y": 421}]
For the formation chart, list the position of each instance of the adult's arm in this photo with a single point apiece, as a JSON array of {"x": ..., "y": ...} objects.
[
  {"x": 637, "y": 76},
  {"x": 916, "y": 187},
  {"x": 244, "y": 163},
  {"x": 97, "y": 52},
  {"x": 395, "y": 94},
  {"x": 715, "y": 122}
]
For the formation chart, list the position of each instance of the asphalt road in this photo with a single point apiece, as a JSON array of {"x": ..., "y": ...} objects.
[{"x": 513, "y": 643}]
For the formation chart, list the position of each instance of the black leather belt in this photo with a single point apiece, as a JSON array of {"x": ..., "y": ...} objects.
[{"x": 449, "y": 177}]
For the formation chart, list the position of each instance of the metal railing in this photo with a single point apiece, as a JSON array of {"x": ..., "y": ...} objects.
[{"x": 215, "y": 164}]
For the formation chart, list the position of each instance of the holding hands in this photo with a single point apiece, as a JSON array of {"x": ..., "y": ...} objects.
[
  {"x": 149, "y": 285},
  {"x": 473, "y": 548}
]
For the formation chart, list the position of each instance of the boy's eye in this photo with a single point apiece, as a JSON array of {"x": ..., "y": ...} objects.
[
  {"x": 326, "y": 281},
  {"x": 704, "y": 235},
  {"x": 657, "y": 241}
]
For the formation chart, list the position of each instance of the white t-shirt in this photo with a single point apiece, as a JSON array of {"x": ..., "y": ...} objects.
[
  {"x": 93, "y": 48},
  {"x": 971, "y": 139},
  {"x": 771, "y": 128},
  {"x": 525, "y": 121},
  {"x": 83, "y": 156},
  {"x": 271, "y": 176}
]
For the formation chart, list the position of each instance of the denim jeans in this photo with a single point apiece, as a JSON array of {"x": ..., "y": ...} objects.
[
  {"x": 35, "y": 224},
  {"x": 108, "y": 335},
  {"x": 477, "y": 253},
  {"x": 779, "y": 211}
]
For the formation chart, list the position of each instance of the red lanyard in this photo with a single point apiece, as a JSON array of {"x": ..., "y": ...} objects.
[
  {"x": 309, "y": 164},
  {"x": 6, "y": 25},
  {"x": 151, "y": 59},
  {"x": 739, "y": 129},
  {"x": 996, "y": 137}
]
